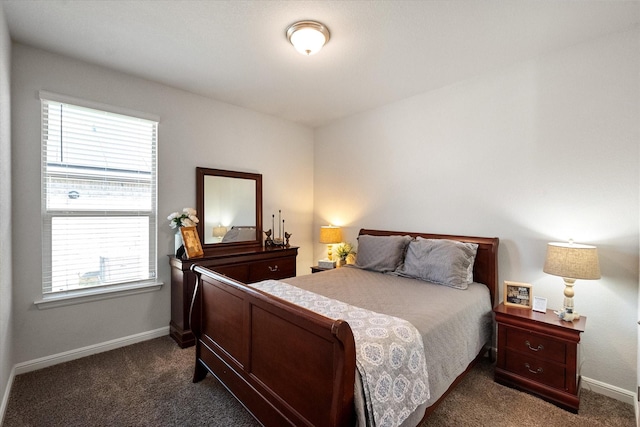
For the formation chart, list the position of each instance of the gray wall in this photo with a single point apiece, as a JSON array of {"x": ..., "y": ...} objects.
[
  {"x": 541, "y": 151},
  {"x": 193, "y": 131},
  {"x": 6, "y": 254}
]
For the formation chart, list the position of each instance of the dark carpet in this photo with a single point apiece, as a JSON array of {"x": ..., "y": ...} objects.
[{"x": 149, "y": 384}]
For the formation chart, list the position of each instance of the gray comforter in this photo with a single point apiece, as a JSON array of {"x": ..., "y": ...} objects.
[{"x": 455, "y": 324}]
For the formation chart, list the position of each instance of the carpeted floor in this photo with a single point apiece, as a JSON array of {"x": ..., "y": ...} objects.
[
  {"x": 149, "y": 384},
  {"x": 487, "y": 403}
]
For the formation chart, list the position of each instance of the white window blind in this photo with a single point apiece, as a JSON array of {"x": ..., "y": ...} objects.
[{"x": 99, "y": 212}]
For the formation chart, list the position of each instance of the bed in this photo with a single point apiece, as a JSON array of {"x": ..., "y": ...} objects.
[{"x": 289, "y": 365}]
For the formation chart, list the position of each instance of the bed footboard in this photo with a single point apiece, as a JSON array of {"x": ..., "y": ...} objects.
[{"x": 285, "y": 364}]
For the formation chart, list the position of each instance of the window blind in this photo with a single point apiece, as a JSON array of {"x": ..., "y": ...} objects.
[{"x": 99, "y": 210}]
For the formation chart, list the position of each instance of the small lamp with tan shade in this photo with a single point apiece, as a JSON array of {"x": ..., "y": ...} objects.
[
  {"x": 571, "y": 261},
  {"x": 330, "y": 235},
  {"x": 219, "y": 232}
]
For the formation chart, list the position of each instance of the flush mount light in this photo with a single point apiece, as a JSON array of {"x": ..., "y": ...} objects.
[{"x": 308, "y": 37}]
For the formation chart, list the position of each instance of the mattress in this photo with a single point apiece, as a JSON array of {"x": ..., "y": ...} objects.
[{"x": 455, "y": 324}]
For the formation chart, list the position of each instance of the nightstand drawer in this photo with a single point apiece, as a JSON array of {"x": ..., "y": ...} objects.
[
  {"x": 538, "y": 370},
  {"x": 277, "y": 268},
  {"x": 536, "y": 345}
]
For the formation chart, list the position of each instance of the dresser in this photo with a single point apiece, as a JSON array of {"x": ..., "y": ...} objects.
[
  {"x": 538, "y": 353},
  {"x": 245, "y": 265}
]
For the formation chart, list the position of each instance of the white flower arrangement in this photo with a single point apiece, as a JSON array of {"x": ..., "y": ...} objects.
[{"x": 188, "y": 218}]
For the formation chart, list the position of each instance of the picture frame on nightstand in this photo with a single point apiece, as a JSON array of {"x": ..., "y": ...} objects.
[
  {"x": 539, "y": 304},
  {"x": 518, "y": 294}
]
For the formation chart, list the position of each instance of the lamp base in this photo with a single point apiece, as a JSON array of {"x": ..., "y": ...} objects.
[{"x": 568, "y": 314}]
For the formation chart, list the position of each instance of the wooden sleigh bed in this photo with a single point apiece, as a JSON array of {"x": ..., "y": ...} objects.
[{"x": 291, "y": 366}]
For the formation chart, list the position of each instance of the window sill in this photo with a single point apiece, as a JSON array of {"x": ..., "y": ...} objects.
[{"x": 95, "y": 294}]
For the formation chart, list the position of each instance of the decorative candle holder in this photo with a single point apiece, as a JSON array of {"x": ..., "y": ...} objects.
[{"x": 277, "y": 242}]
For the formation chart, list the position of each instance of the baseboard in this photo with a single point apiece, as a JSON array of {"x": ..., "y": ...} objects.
[
  {"x": 609, "y": 390},
  {"x": 5, "y": 397},
  {"x": 44, "y": 362},
  {"x": 67, "y": 356}
]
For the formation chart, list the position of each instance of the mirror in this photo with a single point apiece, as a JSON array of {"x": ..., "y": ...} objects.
[{"x": 229, "y": 207}]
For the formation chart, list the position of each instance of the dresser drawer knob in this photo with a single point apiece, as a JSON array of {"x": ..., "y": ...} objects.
[
  {"x": 528, "y": 344},
  {"x": 274, "y": 268},
  {"x": 537, "y": 371}
]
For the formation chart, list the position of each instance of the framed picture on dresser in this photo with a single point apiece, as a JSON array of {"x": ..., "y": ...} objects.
[
  {"x": 517, "y": 294},
  {"x": 192, "y": 246}
]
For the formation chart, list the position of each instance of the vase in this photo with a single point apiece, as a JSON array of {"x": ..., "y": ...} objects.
[
  {"x": 340, "y": 262},
  {"x": 179, "y": 248}
]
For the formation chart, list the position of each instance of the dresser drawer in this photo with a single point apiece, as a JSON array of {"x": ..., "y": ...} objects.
[
  {"x": 277, "y": 268},
  {"x": 239, "y": 272},
  {"x": 536, "y": 345},
  {"x": 539, "y": 370}
]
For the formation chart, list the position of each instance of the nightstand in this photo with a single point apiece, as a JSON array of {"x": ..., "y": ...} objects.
[
  {"x": 538, "y": 353},
  {"x": 317, "y": 269}
]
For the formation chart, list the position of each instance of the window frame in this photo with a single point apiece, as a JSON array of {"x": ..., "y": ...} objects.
[{"x": 98, "y": 292}]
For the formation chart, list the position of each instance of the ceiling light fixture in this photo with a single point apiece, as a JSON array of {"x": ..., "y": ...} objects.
[{"x": 308, "y": 37}]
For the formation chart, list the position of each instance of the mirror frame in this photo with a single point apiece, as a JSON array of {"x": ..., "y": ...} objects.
[{"x": 201, "y": 173}]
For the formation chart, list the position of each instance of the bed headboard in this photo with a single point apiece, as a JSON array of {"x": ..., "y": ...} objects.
[{"x": 485, "y": 269}]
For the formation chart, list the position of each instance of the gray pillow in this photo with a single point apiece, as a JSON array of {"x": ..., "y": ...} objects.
[
  {"x": 381, "y": 253},
  {"x": 441, "y": 261}
]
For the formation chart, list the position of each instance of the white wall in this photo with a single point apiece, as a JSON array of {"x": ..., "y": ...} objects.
[
  {"x": 6, "y": 336},
  {"x": 541, "y": 151},
  {"x": 193, "y": 131}
]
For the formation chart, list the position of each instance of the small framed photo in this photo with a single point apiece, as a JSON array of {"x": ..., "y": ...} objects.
[
  {"x": 517, "y": 294},
  {"x": 540, "y": 304},
  {"x": 192, "y": 246}
]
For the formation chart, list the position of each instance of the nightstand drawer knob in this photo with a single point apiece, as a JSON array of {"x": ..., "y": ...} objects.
[
  {"x": 273, "y": 268},
  {"x": 528, "y": 344},
  {"x": 537, "y": 371}
]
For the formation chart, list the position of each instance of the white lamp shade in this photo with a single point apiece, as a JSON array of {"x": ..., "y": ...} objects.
[{"x": 572, "y": 261}]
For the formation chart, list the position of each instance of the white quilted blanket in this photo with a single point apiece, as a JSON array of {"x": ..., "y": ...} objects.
[{"x": 389, "y": 353}]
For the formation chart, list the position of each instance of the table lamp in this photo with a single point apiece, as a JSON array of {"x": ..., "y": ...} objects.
[
  {"x": 330, "y": 235},
  {"x": 219, "y": 232},
  {"x": 571, "y": 261}
]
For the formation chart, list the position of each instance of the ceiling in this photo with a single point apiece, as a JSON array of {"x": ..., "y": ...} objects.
[{"x": 379, "y": 52}]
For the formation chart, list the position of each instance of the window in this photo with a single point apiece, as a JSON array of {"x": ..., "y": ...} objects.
[{"x": 99, "y": 216}]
